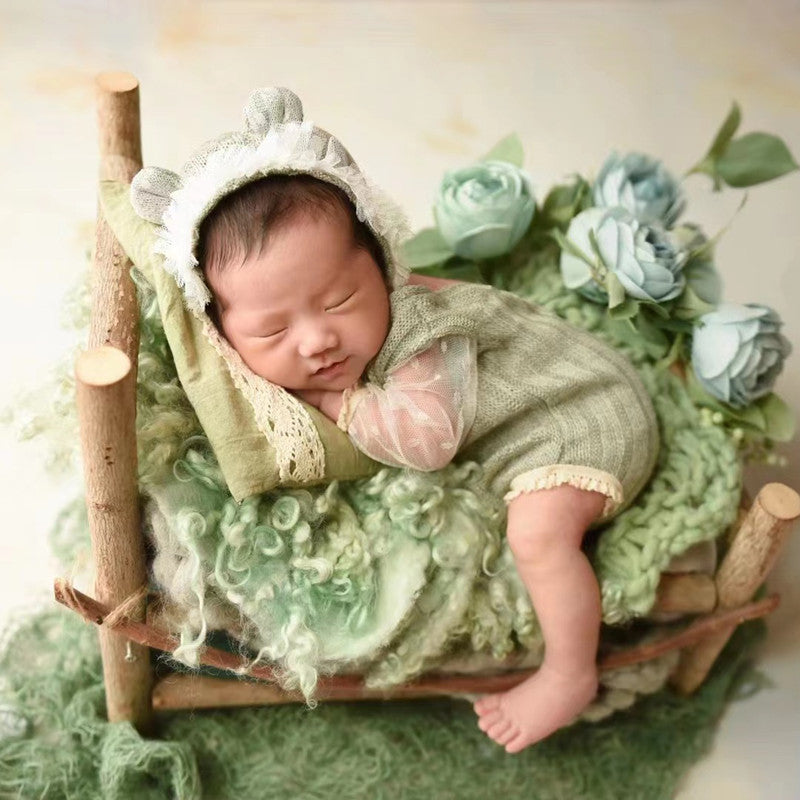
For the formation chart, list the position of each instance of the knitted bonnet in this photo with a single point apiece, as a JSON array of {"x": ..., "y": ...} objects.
[{"x": 275, "y": 140}]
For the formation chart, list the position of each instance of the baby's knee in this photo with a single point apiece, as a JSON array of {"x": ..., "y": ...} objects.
[
  {"x": 544, "y": 523},
  {"x": 534, "y": 543}
]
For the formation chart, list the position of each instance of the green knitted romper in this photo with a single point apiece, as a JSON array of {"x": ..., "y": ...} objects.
[{"x": 555, "y": 404}]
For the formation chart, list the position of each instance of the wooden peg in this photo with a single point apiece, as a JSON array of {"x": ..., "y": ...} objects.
[{"x": 748, "y": 561}]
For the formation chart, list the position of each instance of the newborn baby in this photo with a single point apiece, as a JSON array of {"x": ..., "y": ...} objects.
[{"x": 438, "y": 370}]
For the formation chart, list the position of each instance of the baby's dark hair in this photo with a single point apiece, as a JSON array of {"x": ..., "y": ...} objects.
[{"x": 240, "y": 225}]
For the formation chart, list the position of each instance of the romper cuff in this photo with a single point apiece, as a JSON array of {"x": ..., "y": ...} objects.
[
  {"x": 587, "y": 478},
  {"x": 351, "y": 397}
]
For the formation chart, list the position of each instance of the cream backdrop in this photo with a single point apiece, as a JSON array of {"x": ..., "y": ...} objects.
[{"x": 412, "y": 89}]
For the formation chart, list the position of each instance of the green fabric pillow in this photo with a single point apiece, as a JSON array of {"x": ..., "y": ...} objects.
[{"x": 246, "y": 457}]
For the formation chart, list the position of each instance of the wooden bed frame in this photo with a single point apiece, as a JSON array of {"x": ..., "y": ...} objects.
[{"x": 127, "y": 615}]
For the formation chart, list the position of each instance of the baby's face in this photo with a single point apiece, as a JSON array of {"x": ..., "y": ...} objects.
[{"x": 311, "y": 311}]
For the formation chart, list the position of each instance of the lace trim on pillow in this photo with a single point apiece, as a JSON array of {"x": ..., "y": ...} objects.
[
  {"x": 279, "y": 415},
  {"x": 587, "y": 478},
  {"x": 285, "y": 148}
]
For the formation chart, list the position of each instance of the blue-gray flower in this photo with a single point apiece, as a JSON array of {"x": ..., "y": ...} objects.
[
  {"x": 646, "y": 261},
  {"x": 483, "y": 210},
  {"x": 738, "y": 352},
  {"x": 642, "y": 185}
]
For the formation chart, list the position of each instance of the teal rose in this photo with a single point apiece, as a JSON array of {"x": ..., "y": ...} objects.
[
  {"x": 641, "y": 185},
  {"x": 483, "y": 210},
  {"x": 647, "y": 262},
  {"x": 738, "y": 352}
]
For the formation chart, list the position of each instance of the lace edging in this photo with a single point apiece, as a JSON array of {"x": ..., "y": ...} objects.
[
  {"x": 351, "y": 397},
  {"x": 284, "y": 148},
  {"x": 587, "y": 478},
  {"x": 279, "y": 415}
]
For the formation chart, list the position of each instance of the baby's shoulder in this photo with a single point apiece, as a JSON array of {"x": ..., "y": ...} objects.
[{"x": 473, "y": 299}]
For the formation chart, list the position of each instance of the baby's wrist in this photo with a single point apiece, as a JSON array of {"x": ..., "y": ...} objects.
[{"x": 331, "y": 404}]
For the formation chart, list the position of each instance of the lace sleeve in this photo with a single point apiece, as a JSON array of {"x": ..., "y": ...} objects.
[{"x": 424, "y": 411}]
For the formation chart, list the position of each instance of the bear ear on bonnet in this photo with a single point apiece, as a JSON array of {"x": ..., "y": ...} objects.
[
  {"x": 272, "y": 106},
  {"x": 152, "y": 187},
  {"x": 151, "y": 190},
  {"x": 267, "y": 107}
]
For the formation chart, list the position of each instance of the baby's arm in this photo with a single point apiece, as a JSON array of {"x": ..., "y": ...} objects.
[
  {"x": 329, "y": 403},
  {"x": 424, "y": 411}
]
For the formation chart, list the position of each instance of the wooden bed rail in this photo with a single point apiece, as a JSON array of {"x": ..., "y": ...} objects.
[
  {"x": 106, "y": 398},
  {"x": 351, "y": 687},
  {"x": 750, "y": 557}
]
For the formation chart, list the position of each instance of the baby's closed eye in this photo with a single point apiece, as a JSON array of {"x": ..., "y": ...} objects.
[
  {"x": 339, "y": 303},
  {"x": 271, "y": 334}
]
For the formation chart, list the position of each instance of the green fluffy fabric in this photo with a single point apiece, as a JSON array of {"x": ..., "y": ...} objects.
[
  {"x": 393, "y": 574},
  {"x": 56, "y": 744}
]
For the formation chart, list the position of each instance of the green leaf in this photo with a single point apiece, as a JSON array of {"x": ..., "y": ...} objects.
[
  {"x": 426, "y": 248},
  {"x": 626, "y": 310},
  {"x": 707, "y": 165},
  {"x": 751, "y": 416},
  {"x": 656, "y": 308},
  {"x": 457, "y": 270},
  {"x": 616, "y": 291},
  {"x": 780, "y": 419},
  {"x": 726, "y": 131},
  {"x": 508, "y": 149},
  {"x": 563, "y": 202},
  {"x": 690, "y": 306},
  {"x": 755, "y": 158},
  {"x": 768, "y": 416},
  {"x": 674, "y": 354},
  {"x": 465, "y": 271},
  {"x": 653, "y": 338},
  {"x": 702, "y": 396}
]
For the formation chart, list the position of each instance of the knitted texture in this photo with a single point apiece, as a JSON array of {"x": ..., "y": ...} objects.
[
  {"x": 549, "y": 393},
  {"x": 56, "y": 742},
  {"x": 395, "y": 573},
  {"x": 696, "y": 485}
]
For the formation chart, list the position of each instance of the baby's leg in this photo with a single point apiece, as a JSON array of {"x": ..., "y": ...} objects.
[{"x": 545, "y": 530}]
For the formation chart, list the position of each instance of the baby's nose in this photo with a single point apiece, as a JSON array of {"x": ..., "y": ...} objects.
[{"x": 316, "y": 340}]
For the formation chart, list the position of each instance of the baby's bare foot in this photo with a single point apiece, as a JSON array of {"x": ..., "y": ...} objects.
[{"x": 536, "y": 708}]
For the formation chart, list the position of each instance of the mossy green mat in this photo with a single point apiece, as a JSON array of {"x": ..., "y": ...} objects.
[{"x": 56, "y": 745}]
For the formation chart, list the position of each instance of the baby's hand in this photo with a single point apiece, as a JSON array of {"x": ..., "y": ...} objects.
[{"x": 329, "y": 403}]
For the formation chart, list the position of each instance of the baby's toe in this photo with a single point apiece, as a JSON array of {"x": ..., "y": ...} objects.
[
  {"x": 508, "y": 735},
  {"x": 499, "y": 730},
  {"x": 490, "y": 718},
  {"x": 515, "y": 743},
  {"x": 489, "y": 702}
]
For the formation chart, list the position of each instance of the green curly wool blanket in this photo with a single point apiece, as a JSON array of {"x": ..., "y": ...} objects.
[{"x": 395, "y": 573}]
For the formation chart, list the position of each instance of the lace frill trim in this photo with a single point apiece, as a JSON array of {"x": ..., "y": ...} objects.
[
  {"x": 587, "y": 478},
  {"x": 286, "y": 147},
  {"x": 350, "y": 399},
  {"x": 279, "y": 415}
]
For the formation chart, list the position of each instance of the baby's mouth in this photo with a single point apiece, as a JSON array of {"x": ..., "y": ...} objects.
[{"x": 330, "y": 370}]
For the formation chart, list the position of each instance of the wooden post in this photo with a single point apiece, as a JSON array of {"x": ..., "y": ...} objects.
[
  {"x": 115, "y": 316},
  {"x": 747, "y": 563},
  {"x": 106, "y": 395}
]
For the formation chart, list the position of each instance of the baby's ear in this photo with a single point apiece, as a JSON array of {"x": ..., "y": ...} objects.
[
  {"x": 151, "y": 190},
  {"x": 267, "y": 107}
]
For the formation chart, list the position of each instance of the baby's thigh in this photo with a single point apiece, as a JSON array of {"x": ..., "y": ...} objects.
[{"x": 544, "y": 519}]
